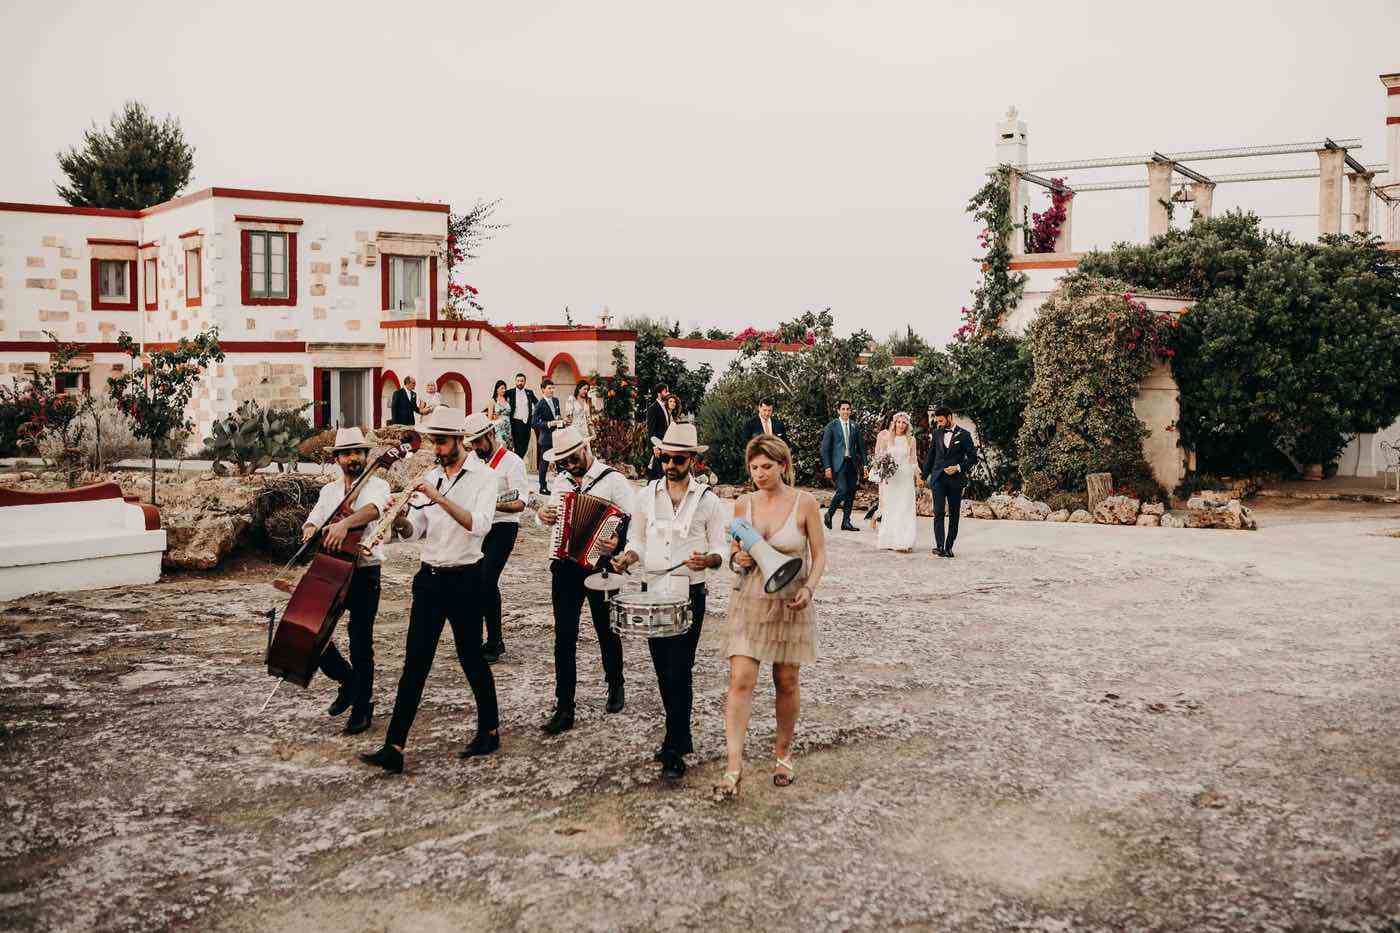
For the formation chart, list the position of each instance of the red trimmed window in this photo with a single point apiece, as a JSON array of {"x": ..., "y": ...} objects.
[
  {"x": 269, "y": 263},
  {"x": 194, "y": 278},
  {"x": 114, "y": 285},
  {"x": 401, "y": 284},
  {"x": 151, "y": 283}
]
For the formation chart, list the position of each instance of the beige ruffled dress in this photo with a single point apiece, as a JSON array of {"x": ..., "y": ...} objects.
[{"x": 761, "y": 626}]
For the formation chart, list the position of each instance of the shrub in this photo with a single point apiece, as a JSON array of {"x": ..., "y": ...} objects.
[
  {"x": 251, "y": 438},
  {"x": 721, "y": 421}
]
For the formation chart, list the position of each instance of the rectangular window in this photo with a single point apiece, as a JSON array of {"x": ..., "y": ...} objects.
[
  {"x": 405, "y": 283},
  {"x": 69, "y": 383},
  {"x": 112, "y": 280},
  {"x": 267, "y": 264},
  {"x": 194, "y": 278},
  {"x": 152, "y": 284}
]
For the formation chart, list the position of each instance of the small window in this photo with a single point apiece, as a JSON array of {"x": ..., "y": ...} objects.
[
  {"x": 405, "y": 282},
  {"x": 152, "y": 296},
  {"x": 194, "y": 278},
  {"x": 69, "y": 383},
  {"x": 267, "y": 264},
  {"x": 112, "y": 280}
]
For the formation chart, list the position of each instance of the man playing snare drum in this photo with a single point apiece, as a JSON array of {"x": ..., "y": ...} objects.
[{"x": 678, "y": 518}]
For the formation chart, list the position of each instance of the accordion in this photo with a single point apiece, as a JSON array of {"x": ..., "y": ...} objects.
[{"x": 584, "y": 521}]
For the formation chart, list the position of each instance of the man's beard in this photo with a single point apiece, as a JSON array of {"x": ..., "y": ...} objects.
[
  {"x": 353, "y": 468},
  {"x": 451, "y": 457},
  {"x": 677, "y": 474}
]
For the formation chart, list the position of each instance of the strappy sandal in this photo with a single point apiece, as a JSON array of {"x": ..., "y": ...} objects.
[
  {"x": 728, "y": 788},
  {"x": 779, "y": 778}
]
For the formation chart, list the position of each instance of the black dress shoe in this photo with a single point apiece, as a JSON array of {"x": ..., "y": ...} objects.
[
  {"x": 389, "y": 758},
  {"x": 561, "y": 721},
  {"x": 617, "y": 699},
  {"x": 827, "y": 521},
  {"x": 672, "y": 766},
  {"x": 342, "y": 701},
  {"x": 660, "y": 753},
  {"x": 484, "y": 744},
  {"x": 491, "y": 653},
  {"x": 938, "y": 552},
  {"x": 360, "y": 720},
  {"x": 948, "y": 552},
  {"x": 847, "y": 526}
]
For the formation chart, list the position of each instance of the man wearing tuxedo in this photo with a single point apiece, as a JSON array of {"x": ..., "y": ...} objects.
[
  {"x": 951, "y": 457},
  {"x": 658, "y": 420},
  {"x": 843, "y": 458},
  {"x": 547, "y": 420},
  {"x": 403, "y": 407},
  {"x": 522, "y": 403},
  {"x": 766, "y": 423}
]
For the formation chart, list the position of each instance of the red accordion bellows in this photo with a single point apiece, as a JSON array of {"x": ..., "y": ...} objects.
[{"x": 584, "y": 521}]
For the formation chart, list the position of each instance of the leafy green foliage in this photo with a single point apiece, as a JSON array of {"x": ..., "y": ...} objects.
[
  {"x": 134, "y": 163},
  {"x": 990, "y": 382},
  {"x": 657, "y": 367},
  {"x": 36, "y": 417},
  {"x": 1290, "y": 347},
  {"x": 1000, "y": 289},
  {"x": 253, "y": 437}
]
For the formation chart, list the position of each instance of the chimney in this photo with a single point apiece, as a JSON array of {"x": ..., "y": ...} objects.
[{"x": 1011, "y": 139}]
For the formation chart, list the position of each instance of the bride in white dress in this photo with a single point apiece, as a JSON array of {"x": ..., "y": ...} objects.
[{"x": 898, "y": 524}]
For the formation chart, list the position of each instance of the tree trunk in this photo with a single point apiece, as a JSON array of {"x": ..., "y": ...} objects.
[
  {"x": 1100, "y": 486},
  {"x": 153, "y": 473}
]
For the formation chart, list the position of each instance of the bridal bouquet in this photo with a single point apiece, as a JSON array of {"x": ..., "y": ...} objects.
[{"x": 884, "y": 467}]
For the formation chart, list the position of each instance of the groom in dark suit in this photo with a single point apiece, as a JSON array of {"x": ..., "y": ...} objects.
[
  {"x": 843, "y": 457},
  {"x": 951, "y": 457},
  {"x": 546, "y": 421}
]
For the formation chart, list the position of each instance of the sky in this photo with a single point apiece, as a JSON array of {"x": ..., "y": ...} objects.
[{"x": 721, "y": 164}]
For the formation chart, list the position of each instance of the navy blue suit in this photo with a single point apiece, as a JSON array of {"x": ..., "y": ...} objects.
[
  {"x": 845, "y": 464},
  {"x": 948, "y": 487}
]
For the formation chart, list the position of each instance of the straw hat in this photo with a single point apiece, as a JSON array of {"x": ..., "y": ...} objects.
[
  {"x": 566, "y": 441},
  {"x": 477, "y": 424},
  {"x": 443, "y": 420},
  {"x": 680, "y": 438},
  {"x": 349, "y": 439}
]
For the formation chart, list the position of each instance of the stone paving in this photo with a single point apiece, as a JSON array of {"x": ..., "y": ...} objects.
[{"x": 1069, "y": 727}]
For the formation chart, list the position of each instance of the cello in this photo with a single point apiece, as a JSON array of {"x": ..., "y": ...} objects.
[{"x": 296, "y": 641}]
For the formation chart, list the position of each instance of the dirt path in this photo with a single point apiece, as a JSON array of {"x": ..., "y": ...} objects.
[{"x": 1068, "y": 727}]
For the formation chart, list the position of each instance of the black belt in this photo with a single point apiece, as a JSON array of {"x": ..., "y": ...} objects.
[{"x": 445, "y": 571}]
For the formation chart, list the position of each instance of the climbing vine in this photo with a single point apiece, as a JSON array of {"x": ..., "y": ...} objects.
[
  {"x": 1045, "y": 225},
  {"x": 1001, "y": 288}
]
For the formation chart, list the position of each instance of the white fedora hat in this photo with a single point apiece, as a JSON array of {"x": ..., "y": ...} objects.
[
  {"x": 476, "y": 425},
  {"x": 680, "y": 438},
  {"x": 349, "y": 439},
  {"x": 566, "y": 441},
  {"x": 444, "y": 420}
]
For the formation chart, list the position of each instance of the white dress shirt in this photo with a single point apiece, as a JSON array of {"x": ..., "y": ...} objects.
[
  {"x": 663, "y": 535},
  {"x": 374, "y": 492},
  {"x": 446, "y": 543},
  {"x": 521, "y": 411},
  {"x": 512, "y": 470},
  {"x": 614, "y": 487}
]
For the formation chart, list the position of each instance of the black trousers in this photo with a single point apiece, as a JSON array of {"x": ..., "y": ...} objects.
[
  {"x": 674, "y": 659},
  {"x": 845, "y": 498},
  {"x": 357, "y": 674},
  {"x": 947, "y": 496},
  {"x": 520, "y": 437},
  {"x": 452, "y": 596},
  {"x": 542, "y": 465},
  {"x": 495, "y": 551},
  {"x": 567, "y": 593}
]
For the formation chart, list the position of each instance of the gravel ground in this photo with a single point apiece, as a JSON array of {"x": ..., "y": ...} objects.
[{"x": 1067, "y": 728}]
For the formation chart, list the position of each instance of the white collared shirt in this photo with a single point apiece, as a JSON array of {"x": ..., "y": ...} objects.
[
  {"x": 522, "y": 406},
  {"x": 656, "y": 535},
  {"x": 446, "y": 543},
  {"x": 374, "y": 492},
  {"x": 614, "y": 487},
  {"x": 512, "y": 470}
]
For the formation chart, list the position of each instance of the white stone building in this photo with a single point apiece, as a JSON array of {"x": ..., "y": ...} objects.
[{"x": 331, "y": 300}]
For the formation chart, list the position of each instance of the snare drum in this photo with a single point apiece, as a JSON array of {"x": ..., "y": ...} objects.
[{"x": 649, "y": 615}]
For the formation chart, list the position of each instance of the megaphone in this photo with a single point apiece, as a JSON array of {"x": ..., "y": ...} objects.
[{"x": 777, "y": 569}]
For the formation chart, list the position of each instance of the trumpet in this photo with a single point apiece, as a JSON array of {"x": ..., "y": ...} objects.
[{"x": 392, "y": 514}]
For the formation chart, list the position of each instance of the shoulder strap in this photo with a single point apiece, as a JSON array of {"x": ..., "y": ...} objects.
[{"x": 598, "y": 479}]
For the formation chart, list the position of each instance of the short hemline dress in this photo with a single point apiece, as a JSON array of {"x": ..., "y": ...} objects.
[{"x": 761, "y": 626}]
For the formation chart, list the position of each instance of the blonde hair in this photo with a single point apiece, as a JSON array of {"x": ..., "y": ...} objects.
[{"x": 775, "y": 449}]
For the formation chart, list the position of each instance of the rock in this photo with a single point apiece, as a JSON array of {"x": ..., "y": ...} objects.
[
  {"x": 1023, "y": 509},
  {"x": 1081, "y": 517},
  {"x": 1147, "y": 520},
  {"x": 729, "y": 492},
  {"x": 1000, "y": 504},
  {"x": 1203, "y": 512},
  {"x": 982, "y": 510},
  {"x": 1117, "y": 510},
  {"x": 1154, "y": 508},
  {"x": 201, "y": 540},
  {"x": 1060, "y": 516},
  {"x": 964, "y": 510},
  {"x": 27, "y": 475},
  {"x": 1172, "y": 521},
  {"x": 923, "y": 503}
]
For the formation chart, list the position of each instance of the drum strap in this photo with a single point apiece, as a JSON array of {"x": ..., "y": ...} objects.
[{"x": 496, "y": 457}]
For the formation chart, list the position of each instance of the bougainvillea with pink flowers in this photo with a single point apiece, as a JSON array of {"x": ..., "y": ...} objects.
[{"x": 1046, "y": 225}]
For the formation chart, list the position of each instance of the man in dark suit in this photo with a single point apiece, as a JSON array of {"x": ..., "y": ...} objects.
[
  {"x": 403, "y": 407},
  {"x": 522, "y": 412},
  {"x": 765, "y": 423},
  {"x": 843, "y": 457},
  {"x": 547, "y": 419},
  {"x": 658, "y": 420},
  {"x": 951, "y": 457}
]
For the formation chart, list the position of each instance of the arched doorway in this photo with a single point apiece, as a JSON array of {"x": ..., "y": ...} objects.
[
  {"x": 455, "y": 391},
  {"x": 563, "y": 369},
  {"x": 388, "y": 385}
]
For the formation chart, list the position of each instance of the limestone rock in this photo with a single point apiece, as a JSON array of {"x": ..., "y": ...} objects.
[
  {"x": 1117, "y": 510},
  {"x": 1060, "y": 516},
  {"x": 1209, "y": 512},
  {"x": 729, "y": 492},
  {"x": 1154, "y": 508},
  {"x": 201, "y": 540},
  {"x": 1172, "y": 521},
  {"x": 923, "y": 503},
  {"x": 1027, "y": 510},
  {"x": 982, "y": 510},
  {"x": 1000, "y": 504},
  {"x": 1148, "y": 520},
  {"x": 965, "y": 509},
  {"x": 1081, "y": 517}
]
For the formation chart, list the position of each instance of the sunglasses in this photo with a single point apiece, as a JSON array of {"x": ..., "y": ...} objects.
[
  {"x": 575, "y": 459},
  {"x": 441, "y": 438},
  {"x": 677, "y": 459}
]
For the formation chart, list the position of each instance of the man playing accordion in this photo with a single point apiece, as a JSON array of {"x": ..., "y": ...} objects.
[{"x": 578, "y": 471}]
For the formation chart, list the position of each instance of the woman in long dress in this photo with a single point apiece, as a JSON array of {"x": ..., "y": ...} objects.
[
  {"x": 898, "y": 525},
  {"x": 578, "y": 409},
  {"x": 775, "y": 627},
  {"x": 499, "y": 412}
]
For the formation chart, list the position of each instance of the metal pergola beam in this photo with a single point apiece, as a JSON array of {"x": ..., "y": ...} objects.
[
  {"x": 1233, "y": 178},
  {"x": 1354, "y": 165},
  {"x": 1036, "y": 179},
  {"x": 1195, "y": 155},
  {"x": 1181, "y": 169}
]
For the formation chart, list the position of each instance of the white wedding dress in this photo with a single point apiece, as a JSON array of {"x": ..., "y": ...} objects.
[{"x": 898, "y": 525}]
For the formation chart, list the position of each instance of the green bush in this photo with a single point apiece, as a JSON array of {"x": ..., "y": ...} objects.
[
  {"x": 721, "y": 421},
  {"x": 253, "y": 437}
]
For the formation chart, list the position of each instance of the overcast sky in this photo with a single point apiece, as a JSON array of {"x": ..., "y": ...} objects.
[{"x": 721, "y": 163}]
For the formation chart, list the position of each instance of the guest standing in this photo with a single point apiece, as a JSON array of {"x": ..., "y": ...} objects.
[
  {"x": 522, "y": 414},
  {"x": 429, "y": 400},
  {"x": 658, "y": 420},
  {"x": 403, "y": 407},
  {"x": 765, "y": 422},
  {"x": 499, "y": 411},
  {"x": 843, "y": 457},
  {"x": 951, "y": 456},
  {"x": 548, "y": 418},
  {"x": 578, "y": 409},
  {"x": 775, "y": 627}
]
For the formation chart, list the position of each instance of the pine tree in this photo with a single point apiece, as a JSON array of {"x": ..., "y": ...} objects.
[{"x": 134, "y": 163}]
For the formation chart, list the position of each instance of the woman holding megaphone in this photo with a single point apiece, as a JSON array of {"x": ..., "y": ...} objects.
[{"x": 770, "y": 617}]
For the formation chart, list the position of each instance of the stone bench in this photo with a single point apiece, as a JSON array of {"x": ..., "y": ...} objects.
[{"x": 76, "y": 539}]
